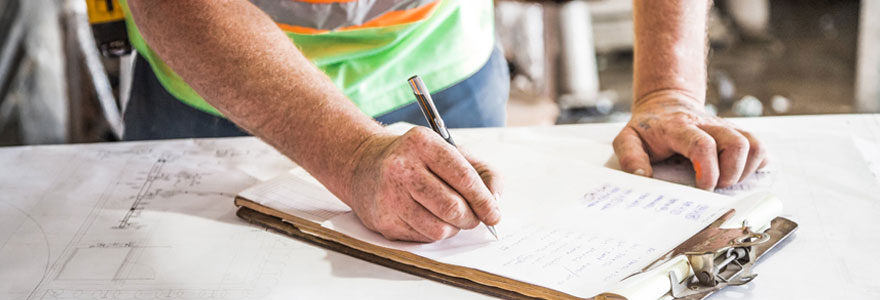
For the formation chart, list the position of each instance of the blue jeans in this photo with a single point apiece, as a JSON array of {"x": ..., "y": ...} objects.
[
  {"x": 478, "y": 101},
  {"x": 153, "y": 113}
]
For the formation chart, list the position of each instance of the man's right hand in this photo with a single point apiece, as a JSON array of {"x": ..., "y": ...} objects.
[
  {"x": 410, "y": 187},
  {"x": 417, "y": 187}
]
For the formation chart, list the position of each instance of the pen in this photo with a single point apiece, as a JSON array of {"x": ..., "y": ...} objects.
[{"x": 433, "y": 117}]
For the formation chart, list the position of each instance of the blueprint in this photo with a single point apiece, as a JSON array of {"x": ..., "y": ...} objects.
[
  {"x": 106, "y": 221},
  {"x": 148, "y": 220}
]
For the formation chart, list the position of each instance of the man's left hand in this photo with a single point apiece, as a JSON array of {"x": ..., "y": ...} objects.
[{"x": 668, "y": 122}]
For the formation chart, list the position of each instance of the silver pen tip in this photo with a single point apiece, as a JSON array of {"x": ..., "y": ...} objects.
[{"x": 493, "y": 232}]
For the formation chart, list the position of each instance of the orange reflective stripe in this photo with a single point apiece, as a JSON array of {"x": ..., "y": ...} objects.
[
  {"x": 399, "y": 17},
  {"x": 324, "y": 1},
  {"x": 388, "y": 19},
  {"x": 333, "y": 15},
  {"x": 300, "y": 29}
]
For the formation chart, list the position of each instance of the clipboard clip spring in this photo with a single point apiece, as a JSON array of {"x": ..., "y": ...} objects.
[{"x": 727, "y": 265}]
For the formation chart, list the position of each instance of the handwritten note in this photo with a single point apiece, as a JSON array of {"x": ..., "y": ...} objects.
[
  {"x": 586, "y": 246},
  {"x": 566, "y": 224}
]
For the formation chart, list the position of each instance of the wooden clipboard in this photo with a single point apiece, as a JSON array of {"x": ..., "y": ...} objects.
[{"x": 467, "y": 278}]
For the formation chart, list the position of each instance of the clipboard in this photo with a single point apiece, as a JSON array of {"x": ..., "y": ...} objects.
[{"x": 717, "y": 257}]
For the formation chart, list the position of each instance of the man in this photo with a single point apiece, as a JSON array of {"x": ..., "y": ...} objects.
[{"x": 309, "y": 76}]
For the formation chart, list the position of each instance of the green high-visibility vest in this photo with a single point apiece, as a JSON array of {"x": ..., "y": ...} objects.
[{"x": 368, "y": 47}]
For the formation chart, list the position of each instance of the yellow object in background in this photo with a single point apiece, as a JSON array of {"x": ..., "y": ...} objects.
[
  {"x": 103, "y": 11},
  {"x": 108, "y": 26}
]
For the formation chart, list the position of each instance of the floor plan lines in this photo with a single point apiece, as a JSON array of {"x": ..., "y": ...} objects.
[{"x": 151, "y": 176}]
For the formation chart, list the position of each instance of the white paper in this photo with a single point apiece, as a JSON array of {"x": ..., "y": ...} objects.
[
  {"x": 871, "y": 155},
  {"x": 298, "y": 194},
  {"x": 566, "y": 225}
]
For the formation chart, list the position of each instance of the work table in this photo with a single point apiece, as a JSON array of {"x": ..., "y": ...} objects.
[{"x": 155, "y": 220}]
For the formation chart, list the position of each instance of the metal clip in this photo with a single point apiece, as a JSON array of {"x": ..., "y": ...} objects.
[
  {"x": 725, "y": 265},
  {"x": 719, "y": 257}
]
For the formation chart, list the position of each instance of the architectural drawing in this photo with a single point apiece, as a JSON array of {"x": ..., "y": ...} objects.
[{"x": 147, "y": 226}]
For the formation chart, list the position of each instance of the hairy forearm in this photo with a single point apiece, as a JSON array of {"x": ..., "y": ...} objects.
[
  {"x": 670, "y": 47},
  {"x": 240, "y": 62}
]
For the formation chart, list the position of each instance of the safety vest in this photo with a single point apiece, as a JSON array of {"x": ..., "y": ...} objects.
[{"x": 368, "y": 47}]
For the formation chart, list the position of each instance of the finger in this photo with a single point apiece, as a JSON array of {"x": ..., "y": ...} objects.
[
  {"x": 441, "y": 200},
  {"x": 631, "y": 153},
  {"x": 450, "y": 166},
  {"x": 700, "y": 148},
  {"x": 490, "y": 176},
  {"x": 757, "y": 155},
  {"x": 427, "y": 224},
  {"x": 764, "y": 163},
  {"x": 400, "y": 230},
  {"x": 733, "y": 152}
]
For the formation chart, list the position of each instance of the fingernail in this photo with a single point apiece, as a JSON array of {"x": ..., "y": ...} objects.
[
  {"x": 639, "y": 172},
  {"x": 497, "y": 196}
]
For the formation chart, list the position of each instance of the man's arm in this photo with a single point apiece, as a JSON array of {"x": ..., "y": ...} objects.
[
  {"x": 411, "y": 187},
  {"x": 669, "y": 93}
]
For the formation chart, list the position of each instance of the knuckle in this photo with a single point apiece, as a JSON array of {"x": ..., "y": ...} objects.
[
  {"x": 739, "y": 145},
  {"x": 682, "y": 115},
  {"x": 681, "y": 118},
  {"x": 451, "y": 210},
  {"x": 462, "y": 181},
  {"x": 418, "y": 133},
  {"x": 702, "y": 145},
  {"x": 481, "y": 206},
  {"x": 468, "y": 181}
]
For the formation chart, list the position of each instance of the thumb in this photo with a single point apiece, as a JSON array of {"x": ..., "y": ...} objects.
[{"x": 630, "y": 151}]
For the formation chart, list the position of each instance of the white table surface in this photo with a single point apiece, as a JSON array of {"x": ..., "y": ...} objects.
[{"x": 155, "y": 220}]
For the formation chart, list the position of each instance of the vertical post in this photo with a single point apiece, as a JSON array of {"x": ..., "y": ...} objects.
[
  {"x": 78, "y": 93},
  {"x": 580, "y": 76},
  {"x": 868, "y": 59}
]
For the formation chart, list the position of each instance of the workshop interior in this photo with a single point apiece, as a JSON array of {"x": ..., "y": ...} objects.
[
  {"x": 65, "y": 72},
  {"x": 127, "y": 170}
]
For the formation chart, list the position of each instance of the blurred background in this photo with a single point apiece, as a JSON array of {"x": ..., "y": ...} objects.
[{"x": 64, "y": 77}]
